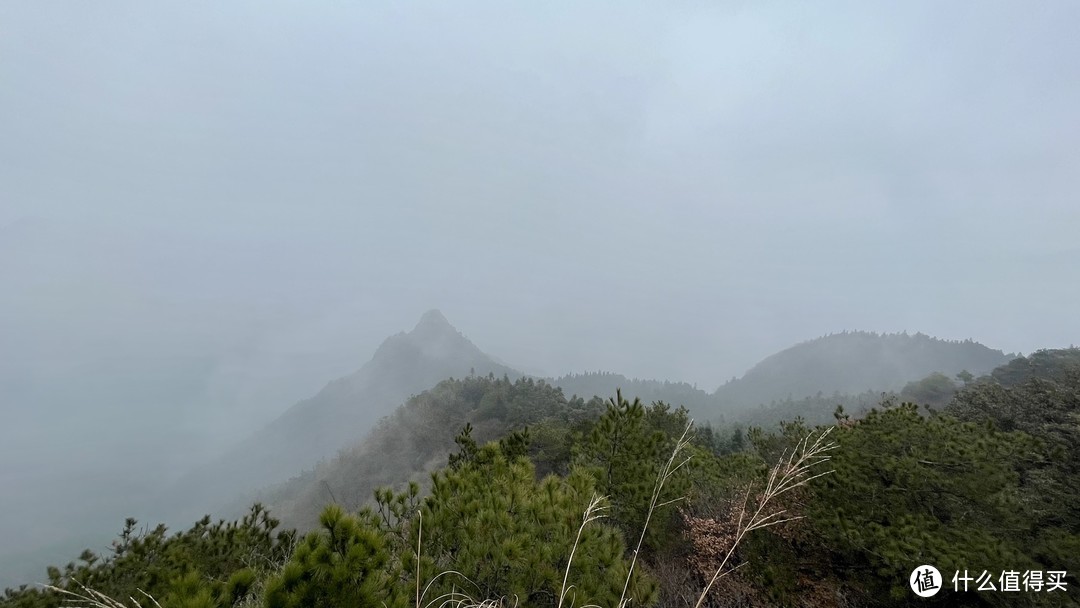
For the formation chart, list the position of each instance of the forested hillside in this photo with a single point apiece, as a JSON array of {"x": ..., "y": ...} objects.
[
  {"x": 341, "y": 414},
  {"x": 807, "y": 380},
  {"x": 581, "y": 503},
  {"x": 814, "y": 409},
  {"x": 415, "y": 440},
  {"x": 936, "y": 390},
  {"x": 592, "y": 384},
  {"x": 852, "y": 363}
]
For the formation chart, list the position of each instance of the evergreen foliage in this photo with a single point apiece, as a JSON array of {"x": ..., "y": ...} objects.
[
  {"x": 911, "y": 489},
  {"x": 624, "y": 450},
  {"x": 210, "y": 564},
  {"x": 519, "y": 475},
  {"x": 414, "y": 441},
  {"x": 344, "y": 564},
  {"x": 511, "y": 534}
]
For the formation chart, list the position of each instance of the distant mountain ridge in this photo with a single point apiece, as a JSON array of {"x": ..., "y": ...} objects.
[
  {"x": 420, "y": 433},
  {"x": 854, "y": 362},
  {"x": 604, "y": 384},
  {"x": 406, "y": 364},
  {"x": 343, "y": 412}
]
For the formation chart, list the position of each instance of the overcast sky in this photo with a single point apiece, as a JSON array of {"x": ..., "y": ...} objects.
[{"x": 257, "y": 193}]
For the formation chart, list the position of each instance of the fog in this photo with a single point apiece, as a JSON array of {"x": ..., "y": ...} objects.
[{"x": 209, "y": 210}]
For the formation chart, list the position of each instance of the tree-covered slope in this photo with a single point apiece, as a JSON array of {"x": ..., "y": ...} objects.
[
  {"x": 853, "y": 363},
  {"x": 604, "y": 384},
  {"x": 987, "y": 483},
  {"x": 341, "y": 414},
  {"x": 416, "y": 438}
]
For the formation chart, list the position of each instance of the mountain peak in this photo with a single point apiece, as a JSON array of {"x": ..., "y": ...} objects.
[
  {"x": 436, "y": 337},
  {"x": 433, "y": 320}
]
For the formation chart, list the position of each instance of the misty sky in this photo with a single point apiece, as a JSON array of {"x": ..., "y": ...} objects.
[{"x": 228, "y": 204}]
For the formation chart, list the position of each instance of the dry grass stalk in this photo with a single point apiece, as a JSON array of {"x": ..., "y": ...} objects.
[
  {"x": 89, "y": 598},
  {"x": 592, "y": 512},
  {"x": 786, "y": 475},
  {"x": 662, "y": 477}
]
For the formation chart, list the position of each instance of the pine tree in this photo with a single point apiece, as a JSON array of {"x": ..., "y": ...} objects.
[
  {"x": 624, "y": 450},
  {"x": 911, "y": 489},
  {"x": 345, "y": 563},
  {"x": 511, "y": 535}
]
